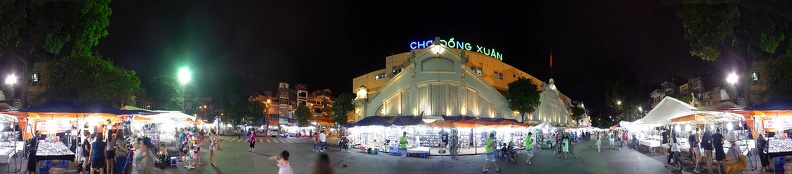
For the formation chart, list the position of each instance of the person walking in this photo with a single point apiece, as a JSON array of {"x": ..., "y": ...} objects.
[
  {"x": 403, "y": 144},
  {"x": 322, "y": 141},
  {"x": 283, "y": 163},
  {"x": 566, "y": 145},
  {"x": 252, "y": 142},
  {"x": 618, "y": 140},
  {"x": 213, "y": 142},
  {"x": 761, "y": 146},
  {"x": 110, "y": 152},
  {"x": 315, "y": 139},
  {"x": 695, "y": 151},
  {"x": 98, "y": 154},
  {"x": 612, "y": 140},
  {"x": 529, "y": 148},
  {"x": 717, "y": 143},
  {"x": 144, "y": 162},
  {"x": 599, "y": 141},
  {"x": 490, "y": 157},
  {"x": 706, "y": 144},
  {"x": 121, "y": 151}
]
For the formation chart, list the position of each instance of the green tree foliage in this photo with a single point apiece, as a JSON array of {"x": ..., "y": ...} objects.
[
  {"x": 303, "y": 114},
  {"x": 578, "y": 113},
  {"x": 39, "y": 28},
  {"x": 779, "y": 77},
  {"x": 747, "y": 30},
  {"x": 31, "y": 30},
  {"x": 90, "y": 78},
  {"x": 687, "y": 98},
  {"x": 626, "y": 88},
  {"x": 341, "y": 108},
  {"x": 256, "y": 110},
  {"x": 165, "y": 92},
  {"x": 523, "y": 96},
  {"x": 234, "y": 98}
]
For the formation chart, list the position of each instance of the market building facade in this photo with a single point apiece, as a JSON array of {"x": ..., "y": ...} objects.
[{"x": 441, "y": 80}]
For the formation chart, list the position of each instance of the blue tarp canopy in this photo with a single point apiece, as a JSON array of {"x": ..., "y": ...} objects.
[
  {"x": 457, "y": 118},
  {"x": 773, "y": 104},
  {"x": 388, "y": 121},
  {"x": 73, "y": 106}
]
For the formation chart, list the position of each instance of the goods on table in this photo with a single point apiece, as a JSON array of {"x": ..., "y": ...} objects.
[{"x": 780, "y": 145}]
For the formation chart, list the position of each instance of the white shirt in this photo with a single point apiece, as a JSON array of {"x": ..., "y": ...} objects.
[
  {"x": 286, "y": 169},
  {"x": 322, "y": 137}
]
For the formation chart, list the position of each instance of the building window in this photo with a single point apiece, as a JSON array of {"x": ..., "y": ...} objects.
[
  {"x": 397, "y": 69},
  {"x": 755, "y": 76},
  {"x": 496, "y": 74},
  {"x": 500, "y": 76},
  {"x": 380, "y": 76},
  {"x": 478, "y": 71}
]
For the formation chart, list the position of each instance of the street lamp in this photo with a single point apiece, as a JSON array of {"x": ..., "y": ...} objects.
[
  {"x": 732, "y": 78},
  {"x": 10, "y": 81},
  {"x": 618, "y": 102},
  {"x": 640, "y": 109},
  {"x": 184, "y": 77}
]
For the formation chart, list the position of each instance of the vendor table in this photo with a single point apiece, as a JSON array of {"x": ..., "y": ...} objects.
[
  {"x": 650, "y": 143},
  {"x": 52, "y": 151},
  {"x": 8, "y": 149},
  {"x": 422, "y": 152}
]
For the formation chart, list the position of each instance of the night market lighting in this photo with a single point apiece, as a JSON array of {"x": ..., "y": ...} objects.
[
  {"x": 184, "y": 76},
  {"x": 11, "y": 79},
  {"x": 732, "y": 78}
]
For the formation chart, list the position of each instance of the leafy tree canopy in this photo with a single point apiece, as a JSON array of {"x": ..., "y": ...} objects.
[
  {"x": 165, "y": 92},
  {"x": 624, "y": 88},
  {"x": 303, "y": 114},
  {"x": 578, "y": 113},
  {"x": 341, "y": 108},
  {"x": 41, "y": 28},
  {"x": 523, "y": 96},
  {"x": 234, "y": 98},
  {"x": 91, "y": 78}
]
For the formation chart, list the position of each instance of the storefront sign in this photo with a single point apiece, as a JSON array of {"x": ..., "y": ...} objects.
[
  {"x": 458, "y": 45},
  {"x": 778, "y": 123}
]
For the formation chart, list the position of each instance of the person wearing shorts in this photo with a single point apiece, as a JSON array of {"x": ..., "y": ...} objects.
[
  {"x": 98, "y": 154},
  {"x": 490, "y": 157},
  {"x": 529, "y": 148}
]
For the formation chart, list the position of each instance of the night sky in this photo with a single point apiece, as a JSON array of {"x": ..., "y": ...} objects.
[{"x": 326, "y": 44}]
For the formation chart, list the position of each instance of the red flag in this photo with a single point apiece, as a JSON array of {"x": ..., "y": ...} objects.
[{"x": 551, "y": 58}]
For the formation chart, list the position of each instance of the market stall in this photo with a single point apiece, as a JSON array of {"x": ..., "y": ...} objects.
[
  {"x": 428, "y": 133},
  {"x": 774, "y": 117}
]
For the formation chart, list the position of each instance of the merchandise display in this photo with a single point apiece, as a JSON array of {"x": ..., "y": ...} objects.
[
  {"x": 780, "y": 146},
  {"x": 53, "y": 151}
]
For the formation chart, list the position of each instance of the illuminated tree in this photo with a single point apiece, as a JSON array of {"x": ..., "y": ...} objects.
[{"x": 523, "y": 96}]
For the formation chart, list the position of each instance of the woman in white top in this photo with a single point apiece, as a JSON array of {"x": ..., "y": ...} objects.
[{"x": 212, "y": 146}]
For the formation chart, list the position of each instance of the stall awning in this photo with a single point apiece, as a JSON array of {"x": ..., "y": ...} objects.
[
  {"x": 73, "y": 106},
  {"x": 669, "y": 108},
  {"x": 776, "y": 104}
]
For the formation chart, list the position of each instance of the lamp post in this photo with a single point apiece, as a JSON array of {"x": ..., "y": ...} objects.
[
  {"x": 184, "y": 77},
  {"x": 10, "y": 81},
  {"x": 618, "y": 102},
  {"x": 732, "y": 80}
]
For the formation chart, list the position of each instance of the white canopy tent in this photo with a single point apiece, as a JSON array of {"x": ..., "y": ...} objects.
[{"x": 669, "y": 108}]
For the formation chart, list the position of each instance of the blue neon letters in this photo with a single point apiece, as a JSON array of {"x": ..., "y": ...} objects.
[{"x": 458, "y": 45}]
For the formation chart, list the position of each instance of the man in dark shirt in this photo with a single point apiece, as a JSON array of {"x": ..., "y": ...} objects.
[
  {"x": 665, "y": 136},
  {"x": 717, "y": 143},
  {"x": 706, "y": 144}
]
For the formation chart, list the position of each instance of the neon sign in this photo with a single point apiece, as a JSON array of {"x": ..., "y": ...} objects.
[{"x": 458, "y": 45}]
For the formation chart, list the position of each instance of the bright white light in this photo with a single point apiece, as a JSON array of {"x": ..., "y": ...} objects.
[
  {"x": 640, "y": 109},
  {"x": 730, "y": 126},
  {"x": 184, "y": 75},
  {"x": 688, "y": 128},
  {"x": 11, "y": 79},
  {"x": 437, "y": 49},
  {"x": 618, "y": 102},
  {"x": 676, "y": 128},
  {"x": 712, "y": 126},
  {"x": 732, "y": 78}
]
